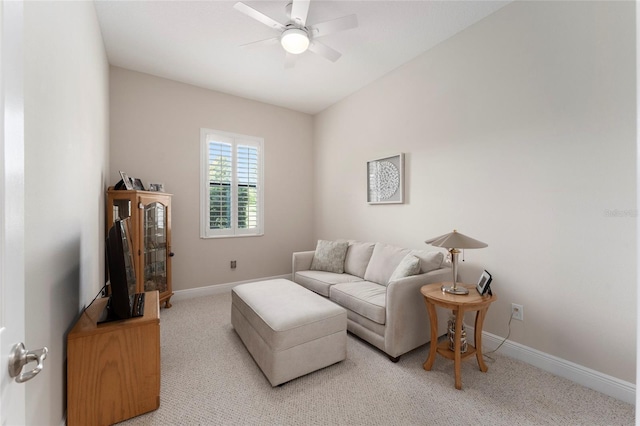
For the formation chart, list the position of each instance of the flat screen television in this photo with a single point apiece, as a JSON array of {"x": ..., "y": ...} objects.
[{"x": 123, "y": 301}]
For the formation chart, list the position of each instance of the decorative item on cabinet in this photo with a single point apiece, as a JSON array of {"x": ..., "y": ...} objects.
[
  {"x": 125, "y": 182},
  {"x": 137, "y": 184},
  {"x": 159, "y": 187},
  {"x": 151, "y": 225}
]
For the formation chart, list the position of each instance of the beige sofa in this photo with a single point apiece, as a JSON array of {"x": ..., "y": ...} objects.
[{"x": 379, "y": 285}]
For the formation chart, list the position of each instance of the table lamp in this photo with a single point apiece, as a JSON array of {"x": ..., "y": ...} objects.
[{"x": 454, "y": 241}]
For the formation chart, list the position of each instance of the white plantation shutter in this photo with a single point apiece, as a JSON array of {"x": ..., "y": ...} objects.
[
  {"x": 232, "y": 196},
  {"x": 247, "y": 172},
  {"x": 220, "y": 181}
]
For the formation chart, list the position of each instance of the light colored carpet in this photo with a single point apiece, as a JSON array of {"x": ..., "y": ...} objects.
[{"x": 209, "y": 378}]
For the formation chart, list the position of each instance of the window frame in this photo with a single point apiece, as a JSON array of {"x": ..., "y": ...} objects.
[{"x": 235, "y": 140}]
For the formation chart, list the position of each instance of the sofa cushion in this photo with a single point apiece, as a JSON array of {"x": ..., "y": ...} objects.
[
  {"x": 363, "y": 297},
  {"x": 321, "y": 281},
  {"x": 429, "y": 260},
  {"x": 409, "y": 265},
  {"x": 384, "y": 260},
  {"x": 357, "y": 258},
  {"x": 329, "y": 256}
]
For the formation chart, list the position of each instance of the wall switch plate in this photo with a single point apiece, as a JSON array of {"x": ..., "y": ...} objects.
[{"x": 233, "y": 264}]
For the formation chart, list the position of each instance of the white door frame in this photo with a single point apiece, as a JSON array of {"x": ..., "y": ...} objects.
[{"x": 12, "y": 287}]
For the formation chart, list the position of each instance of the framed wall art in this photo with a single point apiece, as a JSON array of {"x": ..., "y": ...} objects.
[{"x": 385, "y": 180}]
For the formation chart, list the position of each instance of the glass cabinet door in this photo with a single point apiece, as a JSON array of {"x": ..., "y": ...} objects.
[{"x": 154, "y": 228}]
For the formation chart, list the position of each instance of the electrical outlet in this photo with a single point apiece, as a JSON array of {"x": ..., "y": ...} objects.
[
  {"x": 233, "y": 264},
  {"x": 517, "y": 312}
]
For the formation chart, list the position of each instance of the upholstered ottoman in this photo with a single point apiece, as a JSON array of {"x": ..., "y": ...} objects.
[{"x": 288, "y": 330}]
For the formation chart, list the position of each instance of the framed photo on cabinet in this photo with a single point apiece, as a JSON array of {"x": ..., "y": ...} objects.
[
  {"x": 126, "y": 180},
  {"x": 137, "y": 184}
]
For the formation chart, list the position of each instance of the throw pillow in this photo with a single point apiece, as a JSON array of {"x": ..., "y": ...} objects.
[
  {"x": 357, "y": 258},
  {"x": 429, "y": 260},
  {"x": 384, "y": 260},
  {"x": 329, "y": 256},
  {"x": 410, "y": 265}
]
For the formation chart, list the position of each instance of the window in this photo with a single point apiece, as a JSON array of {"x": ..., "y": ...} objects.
[{"x": 231, "y": 185}]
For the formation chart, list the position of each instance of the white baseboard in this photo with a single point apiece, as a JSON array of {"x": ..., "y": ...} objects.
[
  {"x": 217, "y": 289},
  {"x": 584, "y": 376}
]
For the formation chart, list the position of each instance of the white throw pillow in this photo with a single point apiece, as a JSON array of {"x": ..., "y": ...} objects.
[
  {"x": 357, "y": 258},
  {"x": 384, "y": 260},
  {"x": 329, "y": 256},
  {"x": 429, "y": 260},
  {"x": 410, "y": 265}
]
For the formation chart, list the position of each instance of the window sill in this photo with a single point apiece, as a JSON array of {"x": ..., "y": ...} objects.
[{"x": 231, "y": 236}]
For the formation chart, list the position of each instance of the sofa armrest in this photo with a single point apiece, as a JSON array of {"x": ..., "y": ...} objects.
[
  {"x": 301, "y": 261},
  {"x": 407, "y": 323}
]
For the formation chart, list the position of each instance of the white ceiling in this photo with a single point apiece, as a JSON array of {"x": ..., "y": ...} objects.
[{"x": 198, "y": 42}]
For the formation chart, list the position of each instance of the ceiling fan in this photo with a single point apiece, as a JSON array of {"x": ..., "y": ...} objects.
[{"x": 296, "y": 36}]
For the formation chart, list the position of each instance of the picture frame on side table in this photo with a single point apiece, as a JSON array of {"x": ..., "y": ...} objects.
[
  {"x": 126, "y": 180},
  {"x": 385, "y": 180},
  {"x": 484, "y": 282}
]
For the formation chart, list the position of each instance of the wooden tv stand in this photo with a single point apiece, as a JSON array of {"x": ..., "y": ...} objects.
[{"x": 113, "y": 369}]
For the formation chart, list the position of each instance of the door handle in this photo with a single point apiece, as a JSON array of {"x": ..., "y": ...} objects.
[{"x": 20, "y": 357}]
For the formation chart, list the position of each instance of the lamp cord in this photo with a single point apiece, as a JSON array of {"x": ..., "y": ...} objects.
[{"x": 501, "y": 343}]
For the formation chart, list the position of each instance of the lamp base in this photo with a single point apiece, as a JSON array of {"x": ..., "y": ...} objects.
[{"x": 455, "y": 290}]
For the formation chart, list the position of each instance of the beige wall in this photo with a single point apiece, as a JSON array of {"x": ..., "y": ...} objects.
[
  {"x": 155, "y": 136},
  {"x": 520, "y": 132},
  {"x": 66, "y": 162}
]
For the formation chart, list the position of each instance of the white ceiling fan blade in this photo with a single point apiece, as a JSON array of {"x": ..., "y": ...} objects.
[
  {"x": 299, "y": 11},
  {"x": 324, "y": 51},
  {"x": 329, "y": 27},
  {"x": 290, "y": 60},
  {"x": 258, "y": 16},
  {"x": 272, "y": 40}
]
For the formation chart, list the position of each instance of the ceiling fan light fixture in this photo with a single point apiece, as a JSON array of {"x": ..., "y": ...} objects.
[{"x": 295, "y": 40}]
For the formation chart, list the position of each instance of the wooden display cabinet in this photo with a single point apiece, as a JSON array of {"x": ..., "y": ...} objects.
[
  {"x": 113, "y": 369},
  {"x": 150, "y": 214}
]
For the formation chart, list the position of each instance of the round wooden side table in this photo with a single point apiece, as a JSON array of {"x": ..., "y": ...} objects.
[{"x": 459, "y": 304}]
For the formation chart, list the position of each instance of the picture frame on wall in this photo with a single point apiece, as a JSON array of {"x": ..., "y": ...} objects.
[
  {"x": 126, "y": 180},
  {"x": 385, "y": 180}
]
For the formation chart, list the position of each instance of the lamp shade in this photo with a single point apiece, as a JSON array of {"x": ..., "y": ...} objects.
[
  {"x": 295, "y": 40},
  {"x": 456, "y": 240}
]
